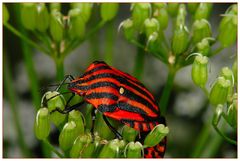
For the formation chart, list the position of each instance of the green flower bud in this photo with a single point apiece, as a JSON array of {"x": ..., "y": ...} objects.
[
  {"x": 28, "y": 15},
  {"x": 88, "y": 151},
  {"x": 233, "y": 9},
  {"x": 101, "y": 127},
  {"x": 228, "y": 31},
  {"x": 203, "y": 11},
  {"x": 182, "y": 13},
  {"x": 79, "y": 144},
  {"x": 68, "y": 135},
  {"x": 200, "y": 70},
  {"x": 180, "y": 40},
  {"x": 42, "y": 124},
  {"x": 76, "y": 24},
  {"x": 232, "y": 114},
  {"x": 140, "y": 12},
  {"x": 201, "y": 29},
  {"x": 55, "y": 100},
  {"x": 78, "y": 118},
  {"x": 151, "y": 25},
  {"x": 85, "y": 8},
  {"x": 156, "y": 135},
  {"x": 110, "y": 150},
  {"x": 129, "y": 134},
  {"x": 55, "y": 6},
  {"x": 217, "y": 114},
  {"x": 122, "y": 144},
  {"x": 5, "y": 14},
  {"x": 228, "y": 75},
  {"x": 182, "y": 10},
  {"x": 229, "y": 14},
  {"x": 161, "y": 15},
  {"x": 154, "y": 44},
  {"x": 203, "y": 47},
  {"x": 109, "y": 11},
  {"x": 98, "y": 145},
  {"x": 159, "y": 5},
  {"x": 192, "y": 7},
  {"x": 219, "y": 91},
  {"x": 42, "y": 18},
  {"x": 56, "y": 26},
  {"x": 128, "y": 29},
  {"x": 235, "y": 71},
  {"x": 134, "y": 150},
  {"x": 173, "y": 9}
]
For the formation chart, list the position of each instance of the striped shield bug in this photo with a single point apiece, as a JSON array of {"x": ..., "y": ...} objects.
[{"x": 119, "y": 96}]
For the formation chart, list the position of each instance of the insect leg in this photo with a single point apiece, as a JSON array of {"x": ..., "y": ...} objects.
[
  {"x": 93, "y": 121},
  {"x": 68, "y": 101},
  {"x": 119, "y": 136},
  {"x": 70, "y": 77},
  {"x": 68, "y": 109}
]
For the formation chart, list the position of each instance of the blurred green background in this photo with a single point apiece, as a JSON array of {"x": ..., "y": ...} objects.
[{"x": 187, "y": 112}]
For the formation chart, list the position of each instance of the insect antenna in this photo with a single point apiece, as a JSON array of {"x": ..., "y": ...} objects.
[{"x": 51, "y": 85}]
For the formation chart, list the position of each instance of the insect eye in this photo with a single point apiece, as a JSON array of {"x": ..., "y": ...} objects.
[{"x": 121, "y": 90}]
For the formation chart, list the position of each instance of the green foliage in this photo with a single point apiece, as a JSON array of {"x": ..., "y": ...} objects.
[{"x": 57, "y": 35}]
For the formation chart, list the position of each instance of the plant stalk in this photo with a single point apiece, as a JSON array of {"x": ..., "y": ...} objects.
[
  {"x": 12, "y": 98},
  {"x": 27, "y": 55},
  {"x": 167, "y": 90},
  {"x": 201, "y": 140},
  {"x": 59, "y": 62},
  {"x": 46, "y": 142},
  {"x": 139, "y": 59},
  {"x": 110, "y": 37},
  {"x": 25, "y": 38}
]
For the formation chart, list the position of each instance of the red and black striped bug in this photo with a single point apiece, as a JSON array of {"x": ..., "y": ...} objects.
[{"x": 120, "y": 96}]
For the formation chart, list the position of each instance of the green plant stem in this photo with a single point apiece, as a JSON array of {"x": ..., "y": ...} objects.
[
  {"x": 110, "y": 37},
  {"x": 89, "y": 34},
  {"x": 167, "y": 90},
  {"x": 208, "y": 141},
  {"x": 165, "y": 42},
  {"x": 139, "y": 59},
  {"x": 32, "y": 76},
  {"x": 46, "y": 142},
  {"x": 44, "y": 39},
  {"x": 26, "y": 39},
  {"x": 205, "y": 91},
  {"x": 94, "y": 48},
  {"x": 212, "y": 147},
  {"x": 12, "y": 97},
  {"x": 137, "y": 44},
  {"x": 218, "y": 50},
  {"x": 59, "y": 62},
  {"x": 201, "y": 140},
  {"x": 231, "y": 141}
]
